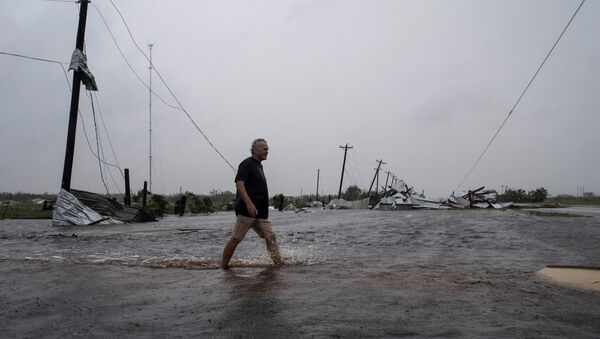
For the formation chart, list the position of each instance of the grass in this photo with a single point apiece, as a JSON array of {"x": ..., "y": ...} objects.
[
  {"x": 574, "y": 201},
  {"x": 24, "y": 213},
  {"x": 553, "y": 214}
]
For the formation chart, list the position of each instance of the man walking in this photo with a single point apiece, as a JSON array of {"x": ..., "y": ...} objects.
[{"x": 252, "y": 204}]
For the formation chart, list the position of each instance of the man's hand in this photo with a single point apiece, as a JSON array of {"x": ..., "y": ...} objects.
[
  {"x": 241, "y": 187},
  {"x": 252, "y": 210}
]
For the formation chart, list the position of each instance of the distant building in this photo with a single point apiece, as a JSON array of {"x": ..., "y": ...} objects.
[{"x": 588, "y": 194}]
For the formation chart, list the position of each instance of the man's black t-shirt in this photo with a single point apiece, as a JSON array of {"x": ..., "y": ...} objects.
[{"x": 250, "y": 171}]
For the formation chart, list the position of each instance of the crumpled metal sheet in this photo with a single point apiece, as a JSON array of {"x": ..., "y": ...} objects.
[
  {"x": 345, "y": 204},
  {"x": 111, "y": 208},
  {"x": 69, "y": 211},
  {"x": 79, "y": 63}
]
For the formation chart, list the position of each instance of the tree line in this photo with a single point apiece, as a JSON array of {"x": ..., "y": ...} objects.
[
  {"x": 520, "y": 195},
  {"x": 159, "y": 204},
  {"x": 23, "y": 197}
]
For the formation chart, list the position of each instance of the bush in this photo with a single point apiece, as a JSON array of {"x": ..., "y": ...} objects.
[
  {"x": 353, "y": 192},
  {"x": 199, "y": 204},
  {"x": 278, "y": 201},
  {"x": 229, "y": 206},
  {"x": 157, "y": 206},
  {"x": 538, "y": 195}
]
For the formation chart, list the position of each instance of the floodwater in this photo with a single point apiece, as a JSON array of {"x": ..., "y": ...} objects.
[{"x": 348, "y": 273}]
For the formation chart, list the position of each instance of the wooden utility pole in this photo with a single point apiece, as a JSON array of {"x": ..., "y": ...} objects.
[
  {"x": 375, "y": 176},
  {"x": 343, "y": 168},
  {"x": 317, "y": 195},
  {"x": 145, "y": 194},
  {"x": 377, "y": 180},
  {"x": 127, "y": 200},
  {"x": 386, "y": 179},
  {"x": 70, "y": 149}
]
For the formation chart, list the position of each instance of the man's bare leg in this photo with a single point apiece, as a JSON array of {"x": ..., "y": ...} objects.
[
  {"x": 228, "y": 252},
  {"x": 273, "y": 250}
]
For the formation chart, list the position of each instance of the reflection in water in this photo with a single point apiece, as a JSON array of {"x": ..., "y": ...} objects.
[{"x": 254, "y": 307}]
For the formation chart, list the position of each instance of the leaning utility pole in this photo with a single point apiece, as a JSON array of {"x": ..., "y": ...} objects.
[
  {"x": 377, "y": 170},
  {"x": 375, "y": 176},
  {"x": 70, "y": 149},
  {"x": 343, "y": 168},
  {"x": 150, "y": 118},
  {"x": 386, "y": 179},
  {"x": 317, "y": 195}
]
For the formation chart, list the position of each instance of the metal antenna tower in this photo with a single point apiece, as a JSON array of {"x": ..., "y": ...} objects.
[{"x": 150, "y": 118}]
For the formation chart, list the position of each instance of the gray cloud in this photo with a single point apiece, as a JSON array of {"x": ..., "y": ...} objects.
[{"x": 421, "y": 84}]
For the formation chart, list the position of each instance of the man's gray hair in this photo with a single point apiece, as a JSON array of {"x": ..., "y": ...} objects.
[{"x": 256, "y": 142}]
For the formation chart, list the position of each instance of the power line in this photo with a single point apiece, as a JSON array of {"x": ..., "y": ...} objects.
[
  {"x": 127, "y": 61},
  {"x": 350, "y": 172},
  {"x": 520, "y": 97},
  {"x": 112, "y": 178},
  {"x": 358, "y": 169},
  {"x": 87, "y": 139},
  {"x": 34, "y": 58},
  {"x": 61, "y": 64},
  {"x": 107, "y": 168},
  {"x": 169, "y": 89},
  {"x": 364, "y": 160},
  {"x": 107, "y": 135},
  {"x": 98, "y": 145}
]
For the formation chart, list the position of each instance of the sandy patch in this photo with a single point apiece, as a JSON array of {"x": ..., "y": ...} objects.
[{"x": 581, "y": 277}]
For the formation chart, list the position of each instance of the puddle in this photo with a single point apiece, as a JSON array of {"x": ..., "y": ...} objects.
[{"x": 581, "y": 277}]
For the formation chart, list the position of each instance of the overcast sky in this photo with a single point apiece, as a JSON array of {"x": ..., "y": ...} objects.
[{"x": 422, "y": 85}]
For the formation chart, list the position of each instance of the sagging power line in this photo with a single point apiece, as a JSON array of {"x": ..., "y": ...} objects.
[
  {"x": 520, "y": 97},
  {"x": 169, "y": 89},
  {"x": 61, "y": 64}
]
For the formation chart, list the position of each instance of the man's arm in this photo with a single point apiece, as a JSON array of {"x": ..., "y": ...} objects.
[{"x": 241, "y": 187}]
